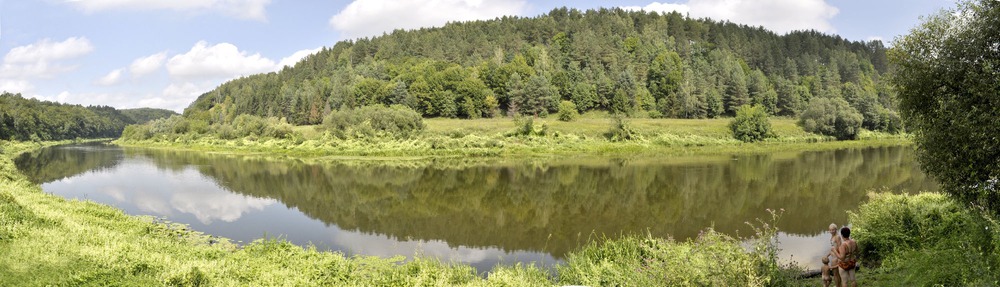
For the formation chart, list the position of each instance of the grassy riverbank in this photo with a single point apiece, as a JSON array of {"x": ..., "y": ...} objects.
[
  {"x": 498, "y": 138},
  {"x": 905, "y": 240},
  {"x": 48, "y": 240}
]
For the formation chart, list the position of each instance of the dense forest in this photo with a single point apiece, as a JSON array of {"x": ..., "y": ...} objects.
[
  {"x": 34, "y": 120},
  {"x": 145, "y": 115},
  {"x": 626, "y": 62}
]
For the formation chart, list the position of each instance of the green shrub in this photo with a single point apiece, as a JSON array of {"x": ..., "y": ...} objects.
[
  {"x": 567, "y": 111},
  {"x": 924, "y": 240},
  {"x": 751, "y": 124},
  {"x": 137, "y": 132},
  {"x": 257, "y": 127},
  {"x": 831, "y": 117},
  {"x": 374, "y": 121},
  {"x": 621, "y": 130},
  {"x": 525, "y": 126},
  {"x": 889, "y": 121}
]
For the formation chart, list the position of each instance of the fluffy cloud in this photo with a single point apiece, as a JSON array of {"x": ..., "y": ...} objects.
[
  {"x": 780, "y": 16},
  {"x": 15, "y": 86},
  {"x": 46, "y": 51},
  {"x": 146, "y": 65},
  {"x": 192, "y": 73},
  {"x": 219, "y": 61},
  {"x": 296, "y": 57},
  {"x": 43, "y": 59},
  {"x": 92, "y": 99},
  {"x": 243, "y": 9},
  {"x": 364, "y": 18},
  {"x": 112, "y": 78}
]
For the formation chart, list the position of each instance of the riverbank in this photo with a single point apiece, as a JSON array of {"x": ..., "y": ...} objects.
[
  {"x": 906, "y": 240},
  {"x": 48, "y": 240},
  {"x": 492, "y": 138}
]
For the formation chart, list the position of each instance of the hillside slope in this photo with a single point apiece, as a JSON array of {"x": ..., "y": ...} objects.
[{"x": 637, "y": 63}]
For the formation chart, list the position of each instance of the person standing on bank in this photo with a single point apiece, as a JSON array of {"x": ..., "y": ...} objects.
[
  {"x": 847, "y": 254},
  {"x": 830, "y": 269}
]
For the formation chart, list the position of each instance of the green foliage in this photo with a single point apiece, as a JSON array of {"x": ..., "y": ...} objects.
[
  {"x": 831, "y": 117},
  {"x": 144, "y": 115},
  {"x": 624, "y": 62},
  {"x": 621, "y": 130},
  {"x": 524, "y": 126},
  {"x": 374, "y": 121},
  {"x": 925, "y": 240},
  {"x": 243, "y": 126},
  {"x": 33, "y": 120},
  {"x": 254, "y": 126},
  {"x": 567, "y": 111},
  {"x": 751, "y": 124},
  {"x": 946, "y": 80},
  {"x": 710, "y": 260}
]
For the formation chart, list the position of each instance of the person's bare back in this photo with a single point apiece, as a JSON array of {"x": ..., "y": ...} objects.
[{"x": 847, "y": 253}]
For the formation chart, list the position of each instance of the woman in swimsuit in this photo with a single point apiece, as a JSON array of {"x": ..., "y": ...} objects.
[
  {"x": 829, "y": 269},
  {"x": 847, "y": 253}
]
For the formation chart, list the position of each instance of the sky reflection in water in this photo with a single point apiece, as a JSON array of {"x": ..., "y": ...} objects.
[{"x": 480, "y": 213}]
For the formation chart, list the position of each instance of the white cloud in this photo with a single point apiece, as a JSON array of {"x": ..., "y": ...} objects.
[
  {"x": 364, "y": 18},
  {"x": 296, "y": 57},
  {"x": 220, "y": 61},
  {"x": 43, "y": 59},
  {"x": 15, "y": 86},
  {"x": 146, "y": 65},
  {"x": 87, "y": 99},
  {"x": 780, "y": 16},
  {"x": 46, "y": 51},
  {"x": 243, "y": 9},
  {"x": 112, "y": 78},
  {"x": 177, "y": 96}
]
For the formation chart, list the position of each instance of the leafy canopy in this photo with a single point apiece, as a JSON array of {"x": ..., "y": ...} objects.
[
  {"x": 831, "y": 117},
  {"x": 948, "y": 79},
  {"x": 751, "y": 124}
]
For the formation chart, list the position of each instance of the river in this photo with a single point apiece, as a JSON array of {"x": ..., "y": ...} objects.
[{"x": 480, "y": 212}]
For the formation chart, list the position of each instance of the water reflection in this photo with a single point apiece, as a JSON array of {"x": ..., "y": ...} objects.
[{"x": 479, "y": 212}]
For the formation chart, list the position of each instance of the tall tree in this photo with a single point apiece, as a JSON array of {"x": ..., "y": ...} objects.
[{"x": 947, "y": 81}]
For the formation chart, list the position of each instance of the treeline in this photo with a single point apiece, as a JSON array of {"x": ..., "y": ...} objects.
[
  {"x": 145, "y": 115},
  {"x": 627, "y": 62},
  {"x": 34, "y": 120}
]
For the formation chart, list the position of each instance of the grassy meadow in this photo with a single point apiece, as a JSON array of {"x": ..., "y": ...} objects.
[{"x": 546, "y": 137}]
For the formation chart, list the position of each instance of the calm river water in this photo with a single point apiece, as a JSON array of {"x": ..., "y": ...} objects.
[{"x": 480, "y": 213}]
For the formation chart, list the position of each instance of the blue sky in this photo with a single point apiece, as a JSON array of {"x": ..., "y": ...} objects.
[{"x": 164, "y": 53}]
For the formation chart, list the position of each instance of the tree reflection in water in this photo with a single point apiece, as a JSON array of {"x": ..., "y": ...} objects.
[{"x": 549, "y": 206}]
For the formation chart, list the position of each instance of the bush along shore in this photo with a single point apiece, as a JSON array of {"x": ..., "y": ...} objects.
[
  {"x": 400, "y": 132},
  {"x": 48, "y": 240}
]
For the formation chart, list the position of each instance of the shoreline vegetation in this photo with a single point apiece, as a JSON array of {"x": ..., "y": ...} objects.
[
  {"x": 49, "y": 240},
  {"x": 84, "y": 243},
  {"x": 507, "y": 137}
]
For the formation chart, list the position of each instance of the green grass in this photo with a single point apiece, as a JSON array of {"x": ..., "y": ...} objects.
[
  {"x": 46, "y": 240},
  {"x": 494, "y": 138}
]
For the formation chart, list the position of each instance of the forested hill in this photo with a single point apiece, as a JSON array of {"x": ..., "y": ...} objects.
[
  {"x": 145, "y": 115},
  {"x": 31, "y": 119},
  {"x": 629, "y": 62}
]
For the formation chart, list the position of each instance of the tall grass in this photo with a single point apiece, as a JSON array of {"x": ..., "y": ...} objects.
[
  {"x": 533, "y": 137},
  {"x": 926, "y": 240}
]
